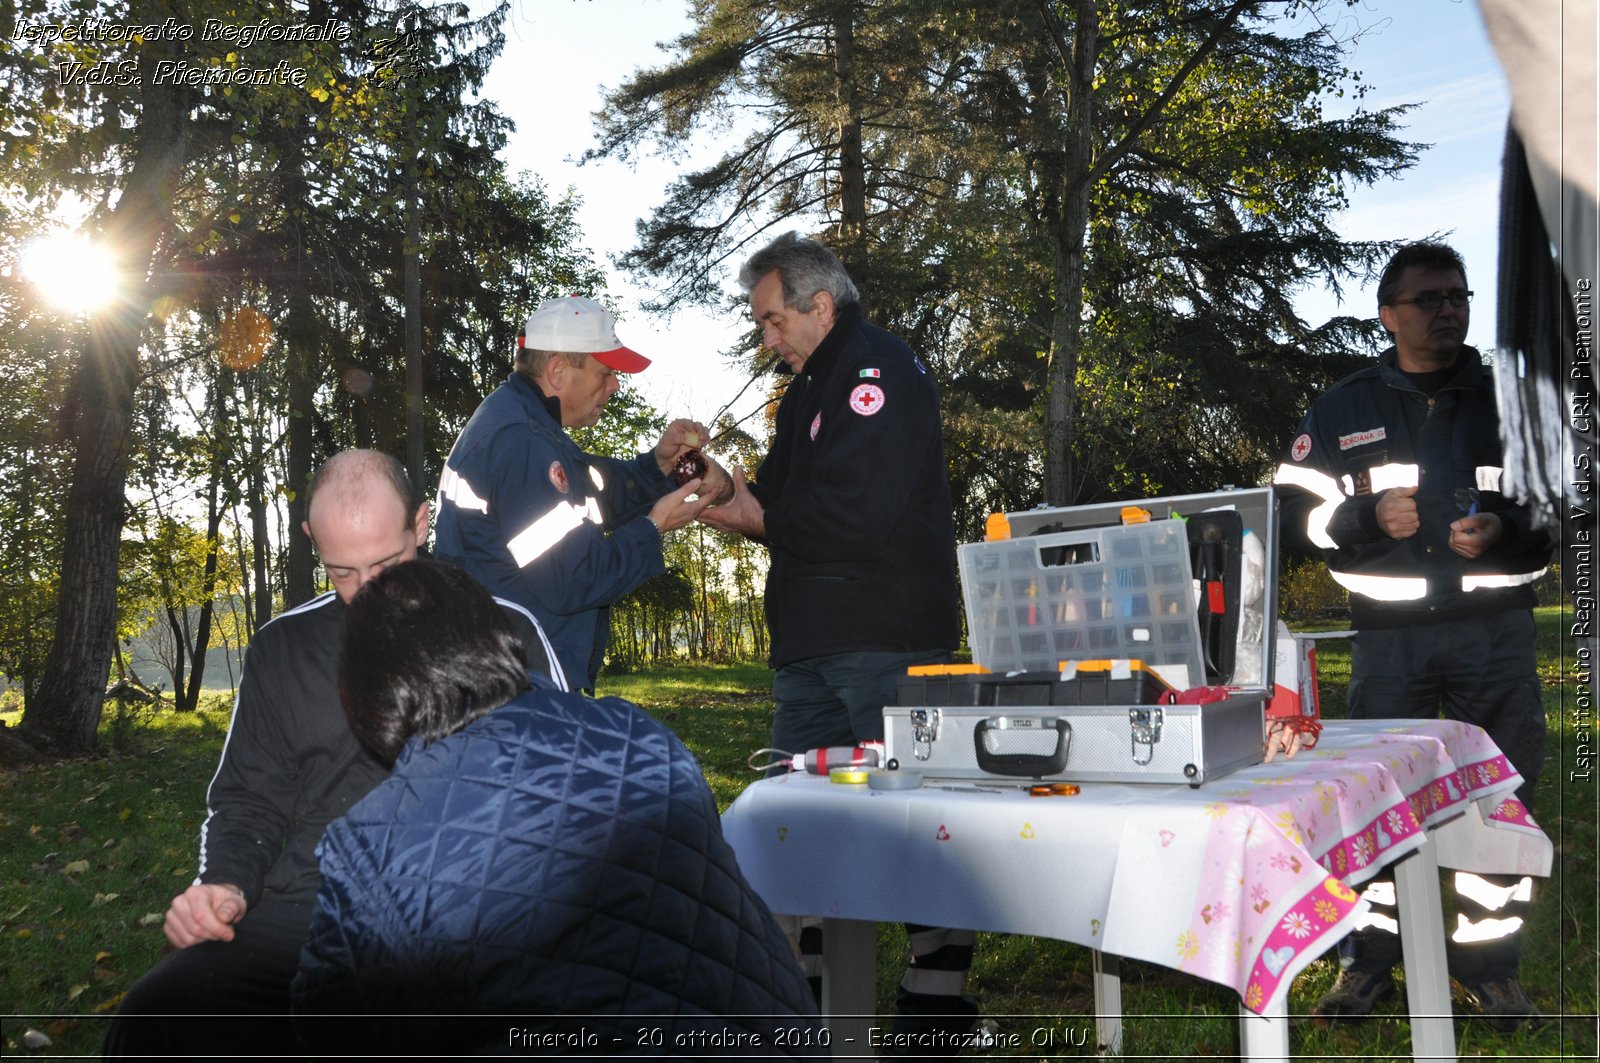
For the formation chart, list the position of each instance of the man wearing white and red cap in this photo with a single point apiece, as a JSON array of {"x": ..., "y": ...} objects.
[{"x": 540, "y": 522}]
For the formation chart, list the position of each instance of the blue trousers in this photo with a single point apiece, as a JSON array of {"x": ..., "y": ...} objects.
[
  {"x": 838, "y": 700},
  {"x": 1480, "y": 670}
]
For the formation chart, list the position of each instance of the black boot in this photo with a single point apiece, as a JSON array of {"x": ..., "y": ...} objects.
[{"x": 930, "y": 1027}]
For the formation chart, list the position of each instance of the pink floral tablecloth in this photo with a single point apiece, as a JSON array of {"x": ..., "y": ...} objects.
[{"x": 1242, "y": 881}]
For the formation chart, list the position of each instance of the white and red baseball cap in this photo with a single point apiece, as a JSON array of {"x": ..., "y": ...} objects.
[{"x": 582, "y": 326}]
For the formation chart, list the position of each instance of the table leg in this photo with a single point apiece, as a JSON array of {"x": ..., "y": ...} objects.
[
  {"x": 1107, "y": 1003},
  {"x": 1264, "y": 1038},
  {"x": 849, "y": 984},
  {"x": 1416, "y": 881}
]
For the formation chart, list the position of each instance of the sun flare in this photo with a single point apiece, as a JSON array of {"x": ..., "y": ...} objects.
[{"x": 70, "y": 271}]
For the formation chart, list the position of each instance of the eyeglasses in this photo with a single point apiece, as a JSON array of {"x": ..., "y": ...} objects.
[{"x": 1431, "y": 301}]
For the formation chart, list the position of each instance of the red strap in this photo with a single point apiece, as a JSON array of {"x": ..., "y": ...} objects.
[{"x": 1310, "y": 729}]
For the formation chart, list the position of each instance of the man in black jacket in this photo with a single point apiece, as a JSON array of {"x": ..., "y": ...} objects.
[
  {"x": 289, "y": 767},
  {"x": 853, "y": 502},
  {"x": 1395, "y": 475}
]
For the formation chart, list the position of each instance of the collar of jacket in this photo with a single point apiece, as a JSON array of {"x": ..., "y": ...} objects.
[
  {"x": 845, "y": 319},
  {"x": 530, "y": 394},
  {"x": 1469, "y": 370}
]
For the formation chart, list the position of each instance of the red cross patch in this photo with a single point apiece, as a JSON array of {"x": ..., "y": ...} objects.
[
  {"x": 866, "y": 399},
  {"x": 816, "y": 425},
  {"x": 558, "y": 477},
  {"x": 1301, "y": 447}
]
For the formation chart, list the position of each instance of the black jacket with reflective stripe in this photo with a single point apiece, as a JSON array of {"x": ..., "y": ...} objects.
[{"x": 1353, "y": 438}]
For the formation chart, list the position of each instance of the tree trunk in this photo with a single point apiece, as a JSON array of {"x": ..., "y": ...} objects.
[
  {"x": 63, "y": 717},
  {"x": 188, "y": 699},
  {"x": 31, "y": 672},
  {"x": 852, "y": 164},
  {"x": 1069, "y": 236},
  {"x": 177, "y": 618},
  {"x": 1070, "y": 231},
  {"x": 302, "y": 415},
  {"x": 256, "y": 504},
  {"x": 413, "y": 286}
]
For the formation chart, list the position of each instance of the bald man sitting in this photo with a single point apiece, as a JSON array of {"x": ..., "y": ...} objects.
[{"x": 290, "y": 766}]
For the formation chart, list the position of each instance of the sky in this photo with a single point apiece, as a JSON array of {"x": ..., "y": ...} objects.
[{"x": 561, "y": 55}]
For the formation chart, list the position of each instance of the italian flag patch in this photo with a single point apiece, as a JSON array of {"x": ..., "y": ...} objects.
[{"x": 873, "y": 373}]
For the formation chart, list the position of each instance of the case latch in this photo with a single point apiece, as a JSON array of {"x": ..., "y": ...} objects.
[
  {"x": 924, "y": 731},
  {"x": 1144, "y": 723}
]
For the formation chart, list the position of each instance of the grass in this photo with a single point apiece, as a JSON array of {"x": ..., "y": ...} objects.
[{"x": 91, "y": 851}]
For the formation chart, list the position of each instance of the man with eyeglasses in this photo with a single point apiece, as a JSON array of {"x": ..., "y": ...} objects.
[
  {"x": 290, "y": 766},
  {"x": 1395, "y": 476}
]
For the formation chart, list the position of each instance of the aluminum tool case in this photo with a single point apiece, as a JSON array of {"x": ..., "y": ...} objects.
[{"x": 1078, "y": 585}]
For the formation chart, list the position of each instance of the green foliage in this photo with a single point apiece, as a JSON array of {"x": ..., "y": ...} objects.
[
  {"x": 34, "y": 469},
  {"x": 131, "y": 712},
  {"x": 1132, "y": 241},
  {"x": 284, "y": 205},
  {"x": 1307, "y": 593},
  {"x": 706, "y": 606}
]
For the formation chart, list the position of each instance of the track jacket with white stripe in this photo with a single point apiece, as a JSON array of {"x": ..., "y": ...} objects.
[{"x": 290, "y": 765}]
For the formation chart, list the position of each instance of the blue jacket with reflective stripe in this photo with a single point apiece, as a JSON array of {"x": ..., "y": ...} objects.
[
  {"x": 1377, "y": 418},
  {"x": 543, "y": 524}
]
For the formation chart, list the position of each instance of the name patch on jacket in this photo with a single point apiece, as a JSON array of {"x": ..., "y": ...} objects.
[{"x": 1361, "y": 439}]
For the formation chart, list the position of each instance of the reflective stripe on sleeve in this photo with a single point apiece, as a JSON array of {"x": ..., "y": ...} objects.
[
  {"x": 453, "y": 486},
  {"x": 599, "y": 481},
  {"x": 1489, "y": 478},
  {"x": 1317, "y": 482},
  {"x": 1324, "y": 487},
  {"x": 536, "y": 539}
]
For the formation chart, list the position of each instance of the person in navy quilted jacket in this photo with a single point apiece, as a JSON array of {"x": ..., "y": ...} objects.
[{"x": 547, "y": 868}]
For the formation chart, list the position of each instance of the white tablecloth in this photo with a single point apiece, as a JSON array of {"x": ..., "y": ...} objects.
[{"x": 1242, "y": 881}]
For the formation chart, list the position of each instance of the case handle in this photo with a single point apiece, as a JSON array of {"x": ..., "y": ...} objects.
[{"x": 1021, "y": 764}]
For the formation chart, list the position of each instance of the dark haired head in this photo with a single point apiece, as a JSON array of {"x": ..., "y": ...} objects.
[
  {"x": 425, "y": 650},
  {"x": 1425, "y": 255}
]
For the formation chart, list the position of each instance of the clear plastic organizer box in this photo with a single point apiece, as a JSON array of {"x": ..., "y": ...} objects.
[{"x": 1122, "y": 591}]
